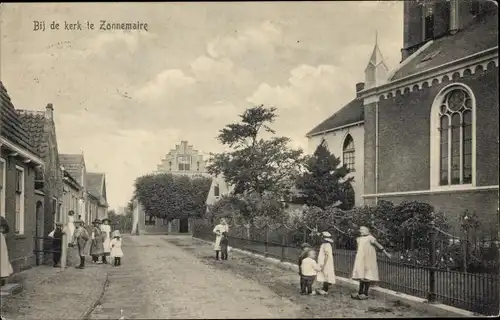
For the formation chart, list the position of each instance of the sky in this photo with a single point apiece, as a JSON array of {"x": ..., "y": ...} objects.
[{"x": 125, "y": 98}]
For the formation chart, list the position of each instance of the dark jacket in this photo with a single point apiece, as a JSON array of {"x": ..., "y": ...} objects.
[
  {"x": 4, "y": 226},
  {"x": 57, "y": 240}
]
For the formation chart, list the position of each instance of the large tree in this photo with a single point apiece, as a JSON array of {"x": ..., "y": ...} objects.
[
  {"x": 256, "y": 165},
  {"x": 171, "y": 197},
  {"x": 323, "y": 182}
]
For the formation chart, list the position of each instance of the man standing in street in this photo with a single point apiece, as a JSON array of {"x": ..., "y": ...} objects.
[{"x": 56, "y": 236}]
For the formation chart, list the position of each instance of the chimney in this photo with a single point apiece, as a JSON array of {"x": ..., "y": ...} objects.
[
  {"x": 49, "y": 111},
  {"x": 360, "y": 86}
]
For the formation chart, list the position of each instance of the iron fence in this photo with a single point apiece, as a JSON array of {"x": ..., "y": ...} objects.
[{"x": 426, "y": 274}]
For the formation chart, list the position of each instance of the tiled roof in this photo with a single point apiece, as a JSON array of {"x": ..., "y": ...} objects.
[
  {"x": 11, "y": 125},
  {"x": 480, "y": 36},
  {"x": 350, "y": 113},
  {"x": 94, "y": 183},
  {"x": 73, "y": 163},
  {"x": 34, "y": 122}
]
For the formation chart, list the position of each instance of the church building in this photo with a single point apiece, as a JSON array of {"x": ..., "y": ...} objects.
[{"x": 431, "y": 131}]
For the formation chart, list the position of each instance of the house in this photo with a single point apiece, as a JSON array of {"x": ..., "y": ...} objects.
[
  {"x": 48, "y": 182},
  {"x": 97, "y": 204},
  {"x": 183, "y": 160},
  {"x": 73, "y": 192},
  {"x": 218, "y": 188},
  {"x": 19, "y": 160},
  {"x": 431, "y": 130},
  {"x": 74, "y": 166}
]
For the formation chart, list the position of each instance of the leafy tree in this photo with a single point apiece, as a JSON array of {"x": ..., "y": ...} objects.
[
  {"x": 122, "y": 222},
  {"x": 256, "y": 165},
  {"x": 324, "y": 181},
  {"x": 170, "y": 197}
]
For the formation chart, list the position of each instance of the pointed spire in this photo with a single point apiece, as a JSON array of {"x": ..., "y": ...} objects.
[{"x": 376, "y": 70}]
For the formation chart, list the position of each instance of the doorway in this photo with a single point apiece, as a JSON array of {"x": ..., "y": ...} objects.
[
  {"x": 184, "y": 225},
  {"x": 39, "y": 232}
]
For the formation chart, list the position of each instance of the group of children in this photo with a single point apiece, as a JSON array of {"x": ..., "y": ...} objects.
[
  {"x": 104, "y": 243},
  {"x": 365, "y": 268}
]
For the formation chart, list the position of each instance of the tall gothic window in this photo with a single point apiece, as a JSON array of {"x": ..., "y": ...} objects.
[
  {"x": 455, "y": 129},
  {"x": 348, "y": 153}
]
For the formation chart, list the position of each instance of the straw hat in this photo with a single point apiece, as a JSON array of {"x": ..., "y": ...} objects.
[
  {"x": 305, "y": 245},
  {"x": 106, "y": 219},
  {"x": 326, "y": 236},
  {"x": 79, "y": 222},
  {"x": 59, "y": 223},
  {"x": 116, "y": 233},
  {"x": 97, "y": 221}
]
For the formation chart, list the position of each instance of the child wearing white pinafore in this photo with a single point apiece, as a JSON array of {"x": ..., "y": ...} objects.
[
  {"x": 365, "y": 268},
  {"x": 116, "y": 248},
  {"x": 325, "y": 261}
]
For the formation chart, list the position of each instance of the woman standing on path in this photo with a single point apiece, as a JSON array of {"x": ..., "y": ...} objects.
[
  {"x": 5, "y": 267},
  {"x": 218, "y": 230},
  {"x": 106, "y": 233},
  {"x": 365, "y": 265},
  {"x": 80, "y": 238},
  {"x": 96, "y": 247},
  {"x": 71, "y": 224},
  {"x": 325, "y": 261}
]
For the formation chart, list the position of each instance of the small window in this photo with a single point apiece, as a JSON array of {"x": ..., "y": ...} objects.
[
  {"x": 216, "y": 190},
  {"x": 349, "y": 153},
  {"x": 19, "y": 181},
  {"x": 19, "y": 201},
  {"x": 150, "y": 220},
  {"x": 428, "y": 21}
]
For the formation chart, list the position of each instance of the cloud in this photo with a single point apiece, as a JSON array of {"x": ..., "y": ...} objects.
[
  {"x": 218, "y": 110},
  {"x": 164, "y": 84},
  {"x": 307, "y": 87},
  {"x": 261, "y": 37}
]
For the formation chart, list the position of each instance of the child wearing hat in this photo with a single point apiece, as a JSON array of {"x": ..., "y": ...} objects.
[
  {"x": 303, "y": 254},
  {"x": 96, "y": 247},
  {"x": 106, "y": 234},
  {"x": 80, "y": 238},
  {"x": 116, "y": 248},
  {"x": 325, "y": 261},
  {"x": 365, "y": 268}
]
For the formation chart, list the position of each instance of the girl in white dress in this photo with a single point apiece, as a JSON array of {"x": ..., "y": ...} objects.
[
  {"x": 5, "y": 267},
  {"x": 365, "y": 265},
  {"x": 116, "y": 248},
  {"x": 71, "y": 224},
  {"x": 106, "y": 233},
  {"x": 325, "y": 260},
  {"x": 218, "y": 230}
]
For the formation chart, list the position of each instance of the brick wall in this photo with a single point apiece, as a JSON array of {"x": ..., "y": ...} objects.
[
  {"x": 404, "y": 136},
  {"x": 370, "y": 148},
  {"x": 20, "y": 247}
]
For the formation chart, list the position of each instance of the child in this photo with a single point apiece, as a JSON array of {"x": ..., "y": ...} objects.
[
  {"x": 80, "y": 238},
  {"x": 309, "y": 269},
  {"x": 365, "y": 265},
  {"x": 305, "y": 248},
  {"x": 224, "y": 243},
  {"x": 325, "y": 260},
  {"x": 116, "y": 249}
]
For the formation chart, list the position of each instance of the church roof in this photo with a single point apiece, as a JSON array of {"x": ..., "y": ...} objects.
[
  {"x": 351, "y": 113},
  {"x": 376, "y": 58},
  {"x": 11, "y": 124},
  {"x": 480, "y": 36}
]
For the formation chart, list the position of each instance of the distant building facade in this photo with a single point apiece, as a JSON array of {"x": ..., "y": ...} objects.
[{"x": 183, "y": 160}]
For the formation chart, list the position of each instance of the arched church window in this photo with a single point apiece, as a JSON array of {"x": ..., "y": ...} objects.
[
  {"x": 455, "y": 136},
  {"x": 348, "y": 153}
]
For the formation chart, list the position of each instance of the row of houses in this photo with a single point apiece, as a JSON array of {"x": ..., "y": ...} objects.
[
  {"x": 428, "y": 130},
  {"x": 40, "y": 186}
]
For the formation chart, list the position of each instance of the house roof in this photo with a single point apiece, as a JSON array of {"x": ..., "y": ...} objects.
[
  {"x": 73, "y": 163},
  {"x": 34, "y": 122},
  {"x": 477, "y": 37},
  {"x": 350, "y": 113},
  {"x": 11, "y": 124},
  {"x": 94, "y": 182}
]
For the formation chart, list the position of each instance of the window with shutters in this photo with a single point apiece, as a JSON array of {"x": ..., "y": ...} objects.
[{"x": 19, "y": 183}]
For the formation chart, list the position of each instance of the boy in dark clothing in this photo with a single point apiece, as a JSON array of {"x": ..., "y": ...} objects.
[
  {"x": 224, "y": 243},
  {"x": 305, "y": 249}
]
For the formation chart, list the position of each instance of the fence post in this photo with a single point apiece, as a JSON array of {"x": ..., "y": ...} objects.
[
  {"x": 431, "y": 296},
  {"x": 267, "y": 240}
]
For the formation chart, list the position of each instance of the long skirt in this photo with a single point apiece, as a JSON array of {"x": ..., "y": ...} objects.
[
  {"x": 96, "y": 247},
  {"x": 6, "y": 267}
]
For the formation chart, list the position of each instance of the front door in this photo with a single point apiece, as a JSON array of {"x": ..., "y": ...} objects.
[
  {"x": 184, "y": 225},
  {"x": 39, "y": 232}
]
